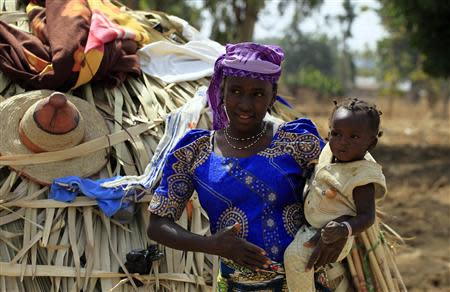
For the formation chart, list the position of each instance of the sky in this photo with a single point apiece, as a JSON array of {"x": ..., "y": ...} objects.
[{"x": 367, "y": 28}]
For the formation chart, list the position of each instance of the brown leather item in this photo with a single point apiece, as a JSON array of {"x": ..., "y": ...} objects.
[{"x": 55, "y": 115}]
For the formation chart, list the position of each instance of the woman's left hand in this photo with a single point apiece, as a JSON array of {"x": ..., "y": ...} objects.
[{"x": 323, "y": 253}]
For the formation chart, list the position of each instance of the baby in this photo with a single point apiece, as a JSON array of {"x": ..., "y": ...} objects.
[{"x": 346, "y": 181}]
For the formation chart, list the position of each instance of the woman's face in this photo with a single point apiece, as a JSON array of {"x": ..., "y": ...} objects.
[{"x": 247, "y": 101}]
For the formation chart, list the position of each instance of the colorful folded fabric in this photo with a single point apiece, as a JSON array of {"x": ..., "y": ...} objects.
[{"x": 73, "y": 42}]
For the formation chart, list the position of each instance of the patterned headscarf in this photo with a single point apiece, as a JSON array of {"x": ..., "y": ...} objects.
[{"x": 242, "y": 60}]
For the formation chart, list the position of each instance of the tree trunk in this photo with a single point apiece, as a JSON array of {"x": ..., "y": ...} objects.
[
  {"x": 247, "y": 25},
  {"x": 246, "y": 19}
]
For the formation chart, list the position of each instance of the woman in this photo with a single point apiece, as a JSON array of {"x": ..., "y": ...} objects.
[{"x": 248, "y": 174}]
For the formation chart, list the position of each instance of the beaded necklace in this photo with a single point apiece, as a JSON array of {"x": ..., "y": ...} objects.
[{"x": 256, "y": 138}]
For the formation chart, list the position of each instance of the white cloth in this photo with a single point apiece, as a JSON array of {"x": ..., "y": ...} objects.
[
  {"x": 189, "y": 32},
  {"x": 172, "y": 62},
  {"x": 177, "y": 124}
]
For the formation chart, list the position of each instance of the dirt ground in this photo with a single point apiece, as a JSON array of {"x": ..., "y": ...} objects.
[{"x": 415, "y": 154}]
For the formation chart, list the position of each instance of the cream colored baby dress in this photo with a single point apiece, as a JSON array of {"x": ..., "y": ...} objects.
[{"x": 320, "y": 209}]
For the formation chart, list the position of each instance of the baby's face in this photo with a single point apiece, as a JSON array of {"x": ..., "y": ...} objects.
[{"x": 350, "y": 135}]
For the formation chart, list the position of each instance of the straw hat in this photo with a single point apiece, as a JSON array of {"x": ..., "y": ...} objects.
[{"x": 43, "y": 121}]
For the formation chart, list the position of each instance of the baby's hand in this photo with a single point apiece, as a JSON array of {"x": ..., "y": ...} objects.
[{"x": 333, "y": 231}]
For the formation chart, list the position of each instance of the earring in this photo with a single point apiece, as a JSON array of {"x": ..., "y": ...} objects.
[
  {"x": 226, "y": 113},
  {"x": 270, "y": 109}
]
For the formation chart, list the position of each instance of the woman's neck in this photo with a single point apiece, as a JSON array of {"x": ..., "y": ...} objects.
[
  {"x": 222, "y": 147},
  {"x": 236, "y": 133}
]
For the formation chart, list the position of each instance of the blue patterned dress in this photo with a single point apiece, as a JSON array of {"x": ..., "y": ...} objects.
[{"x": 261, "y": 192}]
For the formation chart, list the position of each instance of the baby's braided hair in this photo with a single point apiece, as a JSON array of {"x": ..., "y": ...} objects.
[{"x": 358, "y": 105}]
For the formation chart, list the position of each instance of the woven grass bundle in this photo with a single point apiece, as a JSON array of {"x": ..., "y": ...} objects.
[{"x": 47, "y": 245}]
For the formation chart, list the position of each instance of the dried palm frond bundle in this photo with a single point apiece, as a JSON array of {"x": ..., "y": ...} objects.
[
  {"x": 372, "y": 261},
  {"x": 370, "y": 266},
  {"x": 47, "y": 245}
]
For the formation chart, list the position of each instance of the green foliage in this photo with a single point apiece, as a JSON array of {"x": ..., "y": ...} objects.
[
  {"x": 312, "y": 78},
  {"x": 311, "y": 62},
  {"x": 416, "y": 49},
  {"x": 315, "y": 61},
  {"x": 367, "y": 60},
  {"x": 425, "y": 26},
  {"x": 304, "y": 51},
  {"x": 397, "y": 59}
]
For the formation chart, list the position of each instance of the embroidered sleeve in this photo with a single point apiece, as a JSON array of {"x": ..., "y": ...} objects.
[
  {"x": 307, "y": 143},
  {"x": 177, "y": 183},
  {"x": 299, "y": 139}
]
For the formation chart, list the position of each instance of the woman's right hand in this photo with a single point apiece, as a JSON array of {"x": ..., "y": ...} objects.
[{"x": 227, "y": 244}]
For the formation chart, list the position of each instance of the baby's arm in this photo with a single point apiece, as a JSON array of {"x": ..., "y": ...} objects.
[{"x": 364, "y": 198}]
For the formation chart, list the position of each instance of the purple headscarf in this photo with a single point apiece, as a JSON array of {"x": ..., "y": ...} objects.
[{"x": 242, "y": 60}]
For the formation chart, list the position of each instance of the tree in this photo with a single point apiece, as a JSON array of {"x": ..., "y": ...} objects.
[
  {"x": 426, "y": 27},
  {"x": 417, "y": 48},
  {"x": 367, "y": 62},
  {"x": 397, "y": 60},
  {"x": 234, "y": 20},
  {"x": 302, "y": 9},
  {"x": 317, "y": 62},
  {"x": 311, "y": 62},
  {"x": 304, "y": 50},
  {"x": 347, "y": 64}
]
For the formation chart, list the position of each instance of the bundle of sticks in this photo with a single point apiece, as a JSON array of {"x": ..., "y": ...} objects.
[{"x": 371, "y": 261}]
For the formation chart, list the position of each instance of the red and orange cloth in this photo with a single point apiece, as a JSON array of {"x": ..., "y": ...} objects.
[{"x": 73, "y": 42}]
